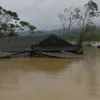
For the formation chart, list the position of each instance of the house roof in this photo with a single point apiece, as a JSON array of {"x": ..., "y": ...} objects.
[
  {"x": 55, "y": 40},
  {"x": 19, "y": 43}
]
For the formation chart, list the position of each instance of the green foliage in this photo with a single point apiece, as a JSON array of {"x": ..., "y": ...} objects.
[
  {"x": 88, "y": 29},
  {"x": 10, "y": 23},
  {"x": 82, "y": 18},
  {"x": 32, "y": 27},
  {"x": 12, "y": 34},
  {"x": 23, "y": 23},
  {"x": 26, "y": 25},
  {"x": 92, "y": 7}
]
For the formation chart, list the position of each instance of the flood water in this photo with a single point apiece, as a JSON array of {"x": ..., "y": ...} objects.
[{"x": 50, "y": 79}]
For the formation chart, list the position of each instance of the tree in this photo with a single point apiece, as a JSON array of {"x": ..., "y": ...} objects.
[
  {"x": 7, "y": 21},
  {"x": 10, "y": 23},
  {"x": 91, "y": 33},
  {"x": 82, "y": 18},
  {"x": 27, "y": 26},
  {"x": 85, "y": 19},
  {"x": 69, "y": 18}
]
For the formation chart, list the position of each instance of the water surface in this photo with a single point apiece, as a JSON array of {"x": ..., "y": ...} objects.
[{"x": 50, "y": 79}]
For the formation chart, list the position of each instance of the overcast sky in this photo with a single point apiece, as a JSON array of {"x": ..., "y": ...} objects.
[{"x": 42, "y": 13}]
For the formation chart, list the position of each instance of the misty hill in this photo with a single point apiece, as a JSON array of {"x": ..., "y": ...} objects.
[{"x": 58, "y": 32}]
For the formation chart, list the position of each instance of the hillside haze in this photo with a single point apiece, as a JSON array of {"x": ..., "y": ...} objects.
[{"x": 58, "y": 32}]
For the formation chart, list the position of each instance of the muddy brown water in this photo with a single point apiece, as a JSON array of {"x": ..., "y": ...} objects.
[{"x": 50, "y": 79}]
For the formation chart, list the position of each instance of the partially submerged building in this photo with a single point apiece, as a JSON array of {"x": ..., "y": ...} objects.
[{"x": 42, "y": 44}]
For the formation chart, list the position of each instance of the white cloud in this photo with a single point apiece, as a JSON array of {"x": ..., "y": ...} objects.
[{"x": 42, "y": 13}]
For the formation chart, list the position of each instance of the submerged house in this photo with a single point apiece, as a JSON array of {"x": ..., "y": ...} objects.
[{"x": 45, "y": 44}]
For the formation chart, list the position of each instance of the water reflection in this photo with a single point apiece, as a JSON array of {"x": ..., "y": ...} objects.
[
  {"x": 42, "y": 78},
  {"x": 46, "y": 65},
  {"x": 9, "y": 78},
  {"x": 12, "y": 71},
  {"x": 91, "y": 69},
  {"x": 85, "y": 72}
]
